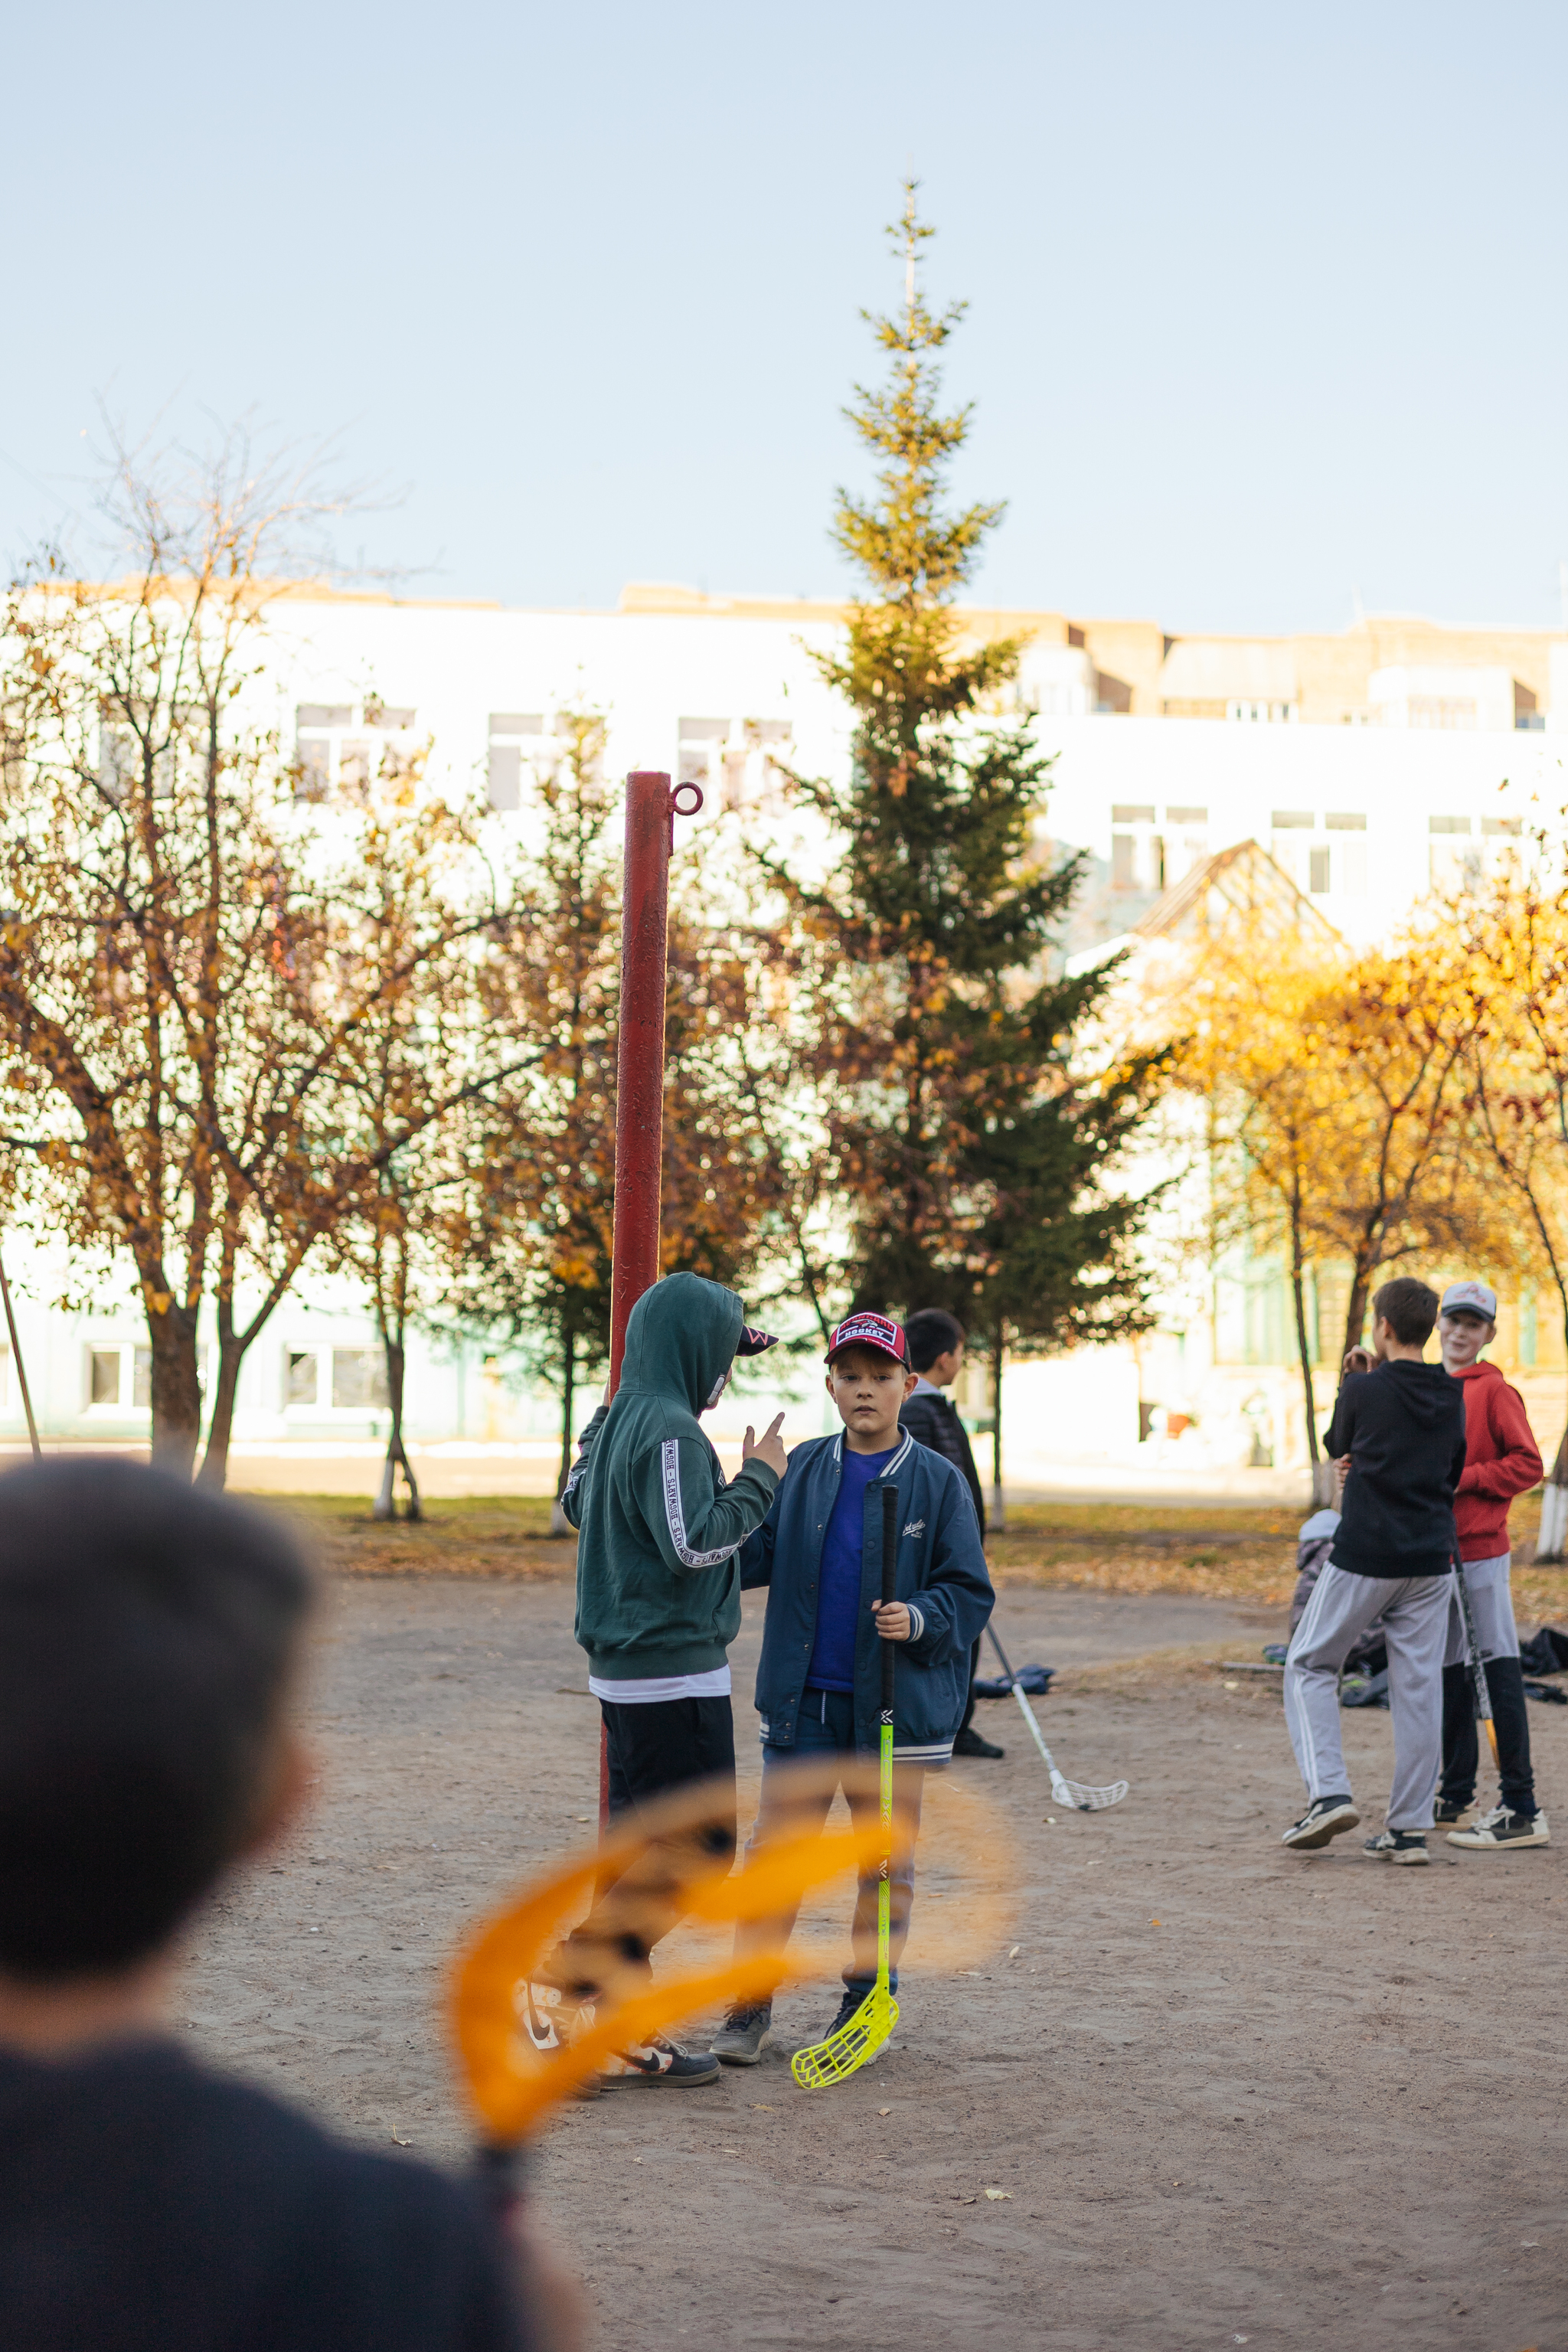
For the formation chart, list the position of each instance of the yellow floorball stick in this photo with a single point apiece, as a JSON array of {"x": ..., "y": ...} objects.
[
  {"x": 517, "y": 1985},
  {"x": 834, "y": 2059}
]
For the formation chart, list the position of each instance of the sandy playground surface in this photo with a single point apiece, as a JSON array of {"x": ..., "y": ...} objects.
[{"x": 1229, "y": 2095}]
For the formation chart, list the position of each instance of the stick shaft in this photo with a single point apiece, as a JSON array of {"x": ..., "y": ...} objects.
[
  {"x": 1478, "y": 1664},
  {"x": 21, "y": 1368},
  {"x": 885, "y": 1755},
  {"x": 1060, "y": 1788}
]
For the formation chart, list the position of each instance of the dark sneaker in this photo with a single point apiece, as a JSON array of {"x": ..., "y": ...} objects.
[
  {"x": 1325, "y": 1818},
  {"x": 739, "y": 2041},
  {"x": 660, "y": 2063},
  {"x": 850, "y": 2002},
  {"x": 969, "y": 1743},
  {"x": 1398, "y": 1846},
  {"x": 1501, "y": 1828},
  {"x": 1446, "y": 1815}
]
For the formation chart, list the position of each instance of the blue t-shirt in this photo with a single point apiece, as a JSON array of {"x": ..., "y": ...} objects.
[{"x": 832, "y": 1663}]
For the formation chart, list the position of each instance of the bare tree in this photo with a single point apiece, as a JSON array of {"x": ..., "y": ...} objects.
[{"x": 185, "y": 974}]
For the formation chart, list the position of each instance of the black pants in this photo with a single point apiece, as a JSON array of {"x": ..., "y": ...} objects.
[
  {"x": 653, "y": 1750},
  {"x": 973, "y": 1670},
  {"x": 1461, "y": 1743}
]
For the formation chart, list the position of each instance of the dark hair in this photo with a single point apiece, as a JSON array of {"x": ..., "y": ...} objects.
[
  {"x": 931, "y": 1333},
  {"x": 147, "y": 1634},
  {"x": 1409, "y": 1307}
]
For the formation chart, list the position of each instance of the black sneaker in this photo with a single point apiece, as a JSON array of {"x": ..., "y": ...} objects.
[
  {"x": 969, "y": 1743},
  {"x": 1398, "y": 1846},
  {"x": 659, "y": 2063},
  {"x": 1447, "y": 1813},
  {"x": 1501, "y": 1828},
  {"x": 1325, "y": 1818},
  {"x": 848, "y": 2006},
  {"x": 739, "y": 2041}
]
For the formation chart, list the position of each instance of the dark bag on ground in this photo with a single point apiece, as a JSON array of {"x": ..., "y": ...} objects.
[
  {"x": 1036, "y": 1680},
  {"x": 1545, "y": 1652},
  {"x": 1364, "y": 1690}
]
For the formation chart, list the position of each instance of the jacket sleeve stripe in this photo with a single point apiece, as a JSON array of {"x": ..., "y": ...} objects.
[{"x": 675, "y": 1512}]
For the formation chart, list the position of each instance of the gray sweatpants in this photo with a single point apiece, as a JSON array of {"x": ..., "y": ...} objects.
[
  {"x": 1491, "y": 1605},
  {"x": 1415, "y": 1613}
]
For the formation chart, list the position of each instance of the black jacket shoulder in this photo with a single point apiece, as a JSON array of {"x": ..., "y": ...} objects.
[
  {"x": 932, "y": 1422},
  {"x": 146, "y": 2203}
]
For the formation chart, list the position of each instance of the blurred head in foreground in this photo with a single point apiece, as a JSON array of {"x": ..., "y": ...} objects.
[{"x": 148, "y": 1638}]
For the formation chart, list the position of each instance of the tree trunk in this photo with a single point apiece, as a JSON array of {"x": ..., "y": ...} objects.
[
  {"x": 996, "y": 1518},
  {"x": 559, "y": 1523},
  {"x": 1322, "y": 1472},
  {"x": 226, "y": 1389},
  {"x": 386, "y": 1505},
  {"x": 1355, "y": 1313},
  {"x": 176, "y": 1391}
]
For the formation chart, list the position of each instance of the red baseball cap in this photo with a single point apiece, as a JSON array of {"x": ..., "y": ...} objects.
[{"x": 869, "y": 1330}]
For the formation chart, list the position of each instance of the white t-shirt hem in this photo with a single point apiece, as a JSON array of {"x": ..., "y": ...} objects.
[{"x": 647, "y": 1690}]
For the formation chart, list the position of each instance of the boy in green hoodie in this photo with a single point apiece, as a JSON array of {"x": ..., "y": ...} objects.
[{"x": 659, "y": 1581}]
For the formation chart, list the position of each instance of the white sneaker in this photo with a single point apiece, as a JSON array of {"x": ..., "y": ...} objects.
[{"x": 1501, "y": 1828}]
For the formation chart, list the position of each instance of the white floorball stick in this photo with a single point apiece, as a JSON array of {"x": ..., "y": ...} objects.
[{"x": 1068, "y": 1793}]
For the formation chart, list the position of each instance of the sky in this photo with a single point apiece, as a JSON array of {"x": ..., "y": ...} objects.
[{"x": 1267, "y": 305}]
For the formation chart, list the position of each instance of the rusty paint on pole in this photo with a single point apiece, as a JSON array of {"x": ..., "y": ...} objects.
[{"x": 651, "y": 811}]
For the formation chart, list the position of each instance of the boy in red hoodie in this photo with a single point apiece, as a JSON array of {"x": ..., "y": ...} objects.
[{"x": 1501, "y": 1459}]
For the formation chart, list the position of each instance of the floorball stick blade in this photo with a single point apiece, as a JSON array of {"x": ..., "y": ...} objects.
[{"x": 834, "y": 2059}]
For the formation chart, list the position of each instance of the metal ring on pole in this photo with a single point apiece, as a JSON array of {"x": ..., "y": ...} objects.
[{"x": 678, "y": 807}]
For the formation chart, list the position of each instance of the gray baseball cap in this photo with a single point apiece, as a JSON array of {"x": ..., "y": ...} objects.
[{"x": 1473, "y": 1297}]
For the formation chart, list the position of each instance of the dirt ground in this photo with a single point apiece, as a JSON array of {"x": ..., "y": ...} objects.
[{"x": 1229, "y": 2095}]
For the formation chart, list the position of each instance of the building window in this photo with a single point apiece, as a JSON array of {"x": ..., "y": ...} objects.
[
  {"x": 1441, "y": 710},
  {"x": 141, "y": 1378},
  {"x": 1527, "y": 1328},
  {"x": 1185, "y": 815},
  {"x": 334, "y": 752},
  {"x": 513, "y": 736},
  {"x": 1509, "y": 827},
  {"x": 359, "y": 1377},
  {"x": 734, "y": 758},
  {"x": 1262, "y": 714},
  {"x": 1133, "y": 812},
  {"x": 103, "y": 1376},
  {"x": 1318, "y": 869},
  {"x": 299, "y": 1376},
  {"x": 1122, "y": 850},
  {"x": 1344, "y": 821},
  {"x": 1353, "y": 868},
  {"x": 1291, "y": 820},
  {"x": 1448, "y": 824}
]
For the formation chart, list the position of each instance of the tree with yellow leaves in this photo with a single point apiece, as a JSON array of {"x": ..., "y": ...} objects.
[
  {"x": 1336, "y": 1102},
  {"x": 1507, "y": 948}
]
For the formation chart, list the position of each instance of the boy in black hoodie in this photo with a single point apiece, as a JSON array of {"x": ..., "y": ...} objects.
[{"x": 1402, "y": 1423}]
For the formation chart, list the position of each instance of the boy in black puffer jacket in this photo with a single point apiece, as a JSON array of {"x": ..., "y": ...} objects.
[
  {"x": 936, "y": 1344},
  {"x": 819, "y": 1552}
]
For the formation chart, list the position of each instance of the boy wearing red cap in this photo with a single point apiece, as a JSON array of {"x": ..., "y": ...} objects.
[
  {"x": 819, "y": 1552},
  {"x": 1501, "y": 1460}
]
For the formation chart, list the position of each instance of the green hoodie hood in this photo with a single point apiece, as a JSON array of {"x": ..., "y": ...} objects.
[
  {"x": 658, "y": 1584},
  {"x": 682, "y": 1338}
]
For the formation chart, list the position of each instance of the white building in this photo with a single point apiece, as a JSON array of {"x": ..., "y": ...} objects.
[{"x": 1371, "y": 766}]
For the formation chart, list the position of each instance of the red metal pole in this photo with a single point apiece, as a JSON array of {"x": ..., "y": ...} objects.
[
  {"x": 651, "y": 812},
  {"x": 639, "y": 1051}
]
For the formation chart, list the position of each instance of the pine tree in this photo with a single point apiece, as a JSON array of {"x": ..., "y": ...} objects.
[{"x": 970, "y": 1156}]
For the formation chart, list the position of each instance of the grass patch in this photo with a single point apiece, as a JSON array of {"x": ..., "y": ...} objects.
[
  {"x": 460, "y": 1534},
  {"x": 1093, "y": 1547}
]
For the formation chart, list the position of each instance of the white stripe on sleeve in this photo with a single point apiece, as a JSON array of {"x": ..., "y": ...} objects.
[{"x": 675, "y": 1512}]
